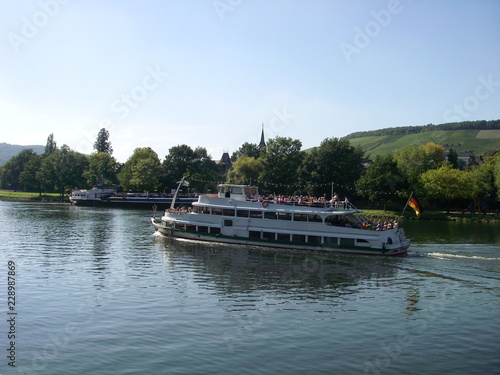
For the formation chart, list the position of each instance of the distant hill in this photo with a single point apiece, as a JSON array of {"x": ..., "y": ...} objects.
[
  {"x": 7, "y": 151},
  {"x": 475, "y": 136}
]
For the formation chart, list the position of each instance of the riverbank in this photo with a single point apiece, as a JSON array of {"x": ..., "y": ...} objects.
[
  {"x": 21, "y": 196},
  {"x": 489, "y": 217}
]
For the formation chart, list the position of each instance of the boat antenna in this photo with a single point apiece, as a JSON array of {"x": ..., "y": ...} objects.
[{"x": 180, "y": 183}]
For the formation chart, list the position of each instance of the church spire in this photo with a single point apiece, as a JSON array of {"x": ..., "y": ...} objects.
[{"x": 262, "y": 140}]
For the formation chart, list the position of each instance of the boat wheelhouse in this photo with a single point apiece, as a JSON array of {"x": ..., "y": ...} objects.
[
  {"x": 92, "y": 197},
  {"x": 237, "y": 214}
]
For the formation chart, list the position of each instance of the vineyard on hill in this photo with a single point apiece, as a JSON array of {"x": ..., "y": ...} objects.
[{"x": 478, "y": 137}]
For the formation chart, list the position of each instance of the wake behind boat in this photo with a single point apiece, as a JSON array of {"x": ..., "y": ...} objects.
[{"x": 237, "y": 215}]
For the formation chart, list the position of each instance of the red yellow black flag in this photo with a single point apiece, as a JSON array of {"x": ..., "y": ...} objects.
[{"x": 413, "y": 203}]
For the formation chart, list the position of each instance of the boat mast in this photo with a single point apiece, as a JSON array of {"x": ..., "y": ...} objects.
[{"x": 181, "y": 182}]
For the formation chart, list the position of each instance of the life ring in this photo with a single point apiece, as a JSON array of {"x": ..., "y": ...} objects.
[
  {"x": 265, "y": 204},
  {"x": 389, "y": 241}
]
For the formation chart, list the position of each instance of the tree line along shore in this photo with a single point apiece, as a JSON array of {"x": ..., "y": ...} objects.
[{"x": 429, "y": 172}]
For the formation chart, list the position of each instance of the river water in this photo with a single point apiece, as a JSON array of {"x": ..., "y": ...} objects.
[{"x": 97, "y": 293}]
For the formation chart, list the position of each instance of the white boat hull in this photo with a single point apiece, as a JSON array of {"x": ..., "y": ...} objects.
[{"x": 399, "y": 249}]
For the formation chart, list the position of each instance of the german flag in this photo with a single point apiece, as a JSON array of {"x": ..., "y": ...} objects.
[{"x": 413, "y": 203}]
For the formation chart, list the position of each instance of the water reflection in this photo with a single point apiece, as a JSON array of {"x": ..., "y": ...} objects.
[{"x": 236, "y": 269}]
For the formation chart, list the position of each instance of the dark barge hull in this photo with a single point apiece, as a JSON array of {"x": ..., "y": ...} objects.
[{"x": 135, "y": 202}]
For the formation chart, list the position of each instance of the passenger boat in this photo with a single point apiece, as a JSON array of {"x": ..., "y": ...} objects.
[
  {"x": 237, "y": 215},
  {"x": 92, "y": 197}
]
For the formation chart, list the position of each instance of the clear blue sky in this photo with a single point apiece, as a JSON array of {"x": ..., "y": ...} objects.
[{"x": 208, "y": 73}]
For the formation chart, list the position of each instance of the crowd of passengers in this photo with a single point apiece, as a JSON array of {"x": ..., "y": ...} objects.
[
  {"x": 369, "y": 224},
  {"x": 301, "y": 200}
]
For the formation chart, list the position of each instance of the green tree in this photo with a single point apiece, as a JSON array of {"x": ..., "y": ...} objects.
[
  {"x": 415, "y": 160},
  {"x": 447, "y": 183},
  {"x": 453, "y": 158},
  {"x": 102, "y": 144},
  {"x": 145, "y": 174},
  {"x": 69, "y": 168},
  {"x": 101, "y": 170},
  {"x": 27, "y": 178},
  {"x": 51, "y": 144},
  {"x": 381, "y": 180},
  {"x": 176, "y": 164},
  {"x": 244, "y": 170},
  {"x": 13, "y": 168},
  {"x": 62, "y": 170},
  {"x": 486, "y": 178},
  {"x": 45, "y": 175},
  {"x": 141, "y": 171},
  {"x": 495, "y": 161},
  {"x": 281, "y": 159},
  {"x": 202, "y": 170},
  {"x": 195, "y": 165},
  {"x": 248, "y": 149},
  {"x": 335, "y": 160}
]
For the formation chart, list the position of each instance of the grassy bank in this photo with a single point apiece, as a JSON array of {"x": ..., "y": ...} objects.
[
  {"x": 433, "y": 215},
  {"x": 21, "y": 196}
]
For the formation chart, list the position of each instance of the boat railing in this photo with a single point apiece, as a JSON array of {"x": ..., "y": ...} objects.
[{"x": 337, "y": 205}]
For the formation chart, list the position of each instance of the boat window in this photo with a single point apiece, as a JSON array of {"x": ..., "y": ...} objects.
[
  {"x": 332, "y": 220},
  {"x": 228, "y": 223},
  {"x": 314, "y": 218},
  {"x": 214, "y": 230},
  {"x": 332, "y": 241},
  {"x": 242, "y": 213},
  {"x": 299, "y": 217},
  {"x": 253, "y": 234},
  {"x": 268, "y": 235},
  {"x": 204, "y": 210},
  {"x": 196, "y": 209},
  {"x": 269, "y": 215},
  {"x": 284, "y": 216},
  {"x": 202, "y": 229},
  {"x": 251, "y": 192},
  {"x": 346, "y": 242},
  {"x": 237, "y": 190},
  {"x": 314, "y": 239},
  {"x": 256, "y": 214},
  {"x": 191, "y": 227},
  {"x": 364, "y": 243},
  {"x": 299, "y": 238},
  {"x": 228, "y": 212},
  {"x": 216, "y": 211},
  {"x": 283, "y": 237}
]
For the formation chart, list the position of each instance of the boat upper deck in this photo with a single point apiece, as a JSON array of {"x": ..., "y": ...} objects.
[{"x": 247, "y": 197}]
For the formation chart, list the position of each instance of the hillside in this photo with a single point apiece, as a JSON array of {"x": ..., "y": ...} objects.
[
  {"x": 478, "y": 137},
  {"x": 7, "y": 151}
]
